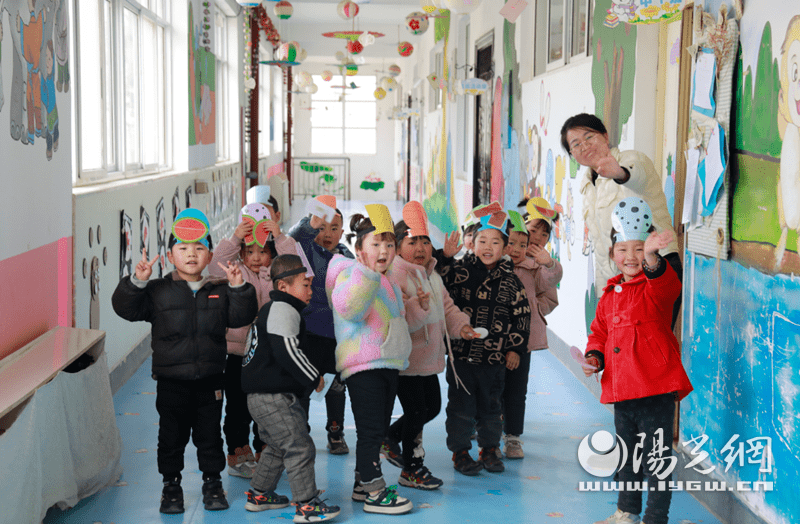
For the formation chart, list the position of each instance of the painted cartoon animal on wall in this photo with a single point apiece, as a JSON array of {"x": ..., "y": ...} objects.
[{"x": 789, "y": 122}]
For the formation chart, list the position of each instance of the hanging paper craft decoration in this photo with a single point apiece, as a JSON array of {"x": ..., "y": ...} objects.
[
  {"x": 388, "y": 83},
  {"x": 347, "y": 9},
  {"x": 474, "y": 86},
  {"x": 144, "y": 229},
  {"x": 372, "y": 183},
  {"x": 354, "y": 47},
  {"x": 380, "y": 93},
  {"x": 394, "y": 70},
  {"x": 405, "y": 49},
  {"x": 313, "y": 88},
  {"x": 287, "y": 51},
  {"x": 416, "y": 219},
  {"x": 417, "y": 23},
  {"x": 256, "y": 214},
  {"x": 433, "y": 79},
  {"x": 351, "y": 69},
  {"x": 161, "y": 237},
  {"x": 513, "y": 9},
  {"x": 429, "y": 6},
  {"x": 380, "y": 217},
  {"x": 327, "y": 75},
  {"x": 191, "y": 225},
  {"x": 303, "y": 79},
  {"x": 283, "y": 10},
  {"x": 366, "y": 38}
]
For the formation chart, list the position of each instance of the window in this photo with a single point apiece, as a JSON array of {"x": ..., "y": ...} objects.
[
  {"x": 437, "y": 64},
  {"x": 122, "y": 102},
  {"x": 264, "y": 123},
  {"x": 343, "y": 120},
  {"x": 567, "y": 33},
  {"x": 224, "y": 73},
  {"x": 278, "y": 108}
]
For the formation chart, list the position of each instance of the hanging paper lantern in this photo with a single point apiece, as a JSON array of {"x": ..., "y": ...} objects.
[
  {"x": 394, "y": 70},
  {"x": 417, "y": 23},
  {"x": 380, "y": 93},
  {"x": 351, "y": 69},
  {"x": 287, "y": 52},
  {"x": 388, "y": 83},
  {"x": 429, "y": 6},
  {"x": 459, "y": 6},
  {"x": 366, "y": 38},
  {"x": 354, "y": 47},
  {"x": 405, "y": 48},
  {"x": 327, "y": 75},
  {"x": 303, "y": 79},
  {"x": 283, "y": 10},
  {"x": 347, "y": 9}
]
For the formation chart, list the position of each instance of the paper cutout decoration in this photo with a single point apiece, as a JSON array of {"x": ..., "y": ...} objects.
[
  {"x": 469, "y": 219},
  {"x": 631, "y": 219},
  {"x": 429, "y": 6},
  {"x": 283, "y": 10},
  {"x": 347, "y": 9},
  {"x": 517, "y": 222},
  {"x": 433, "y": 79},
  {"x": 380, "y": 93},
  {"x": 322, "y": 208},
  {"x": 580, "y": 358},
  {"x": 482, "y": 211},
  {"x": 125, "y": 245},
  {"x": 256, "y": 214},
  {"x": 366, "y": 38},
  {"x": 190, "y": 226},
  {"x": 651, "y": 12},
  {"x": 538, "y": 207},
  {"x": 319, "y": 396},
  {"x": 494, "y": 221},
  {"x": 144, "y": 230},
  {"x": 703, "y": 84},
  {"x": 354, "y": 47},
  {"x": 711, "y": 169},
  {"x": 416, "y": 219},
  {"x": 405, "y": 49},
  {"x": 513, "y": 9},
  {"x": 474, "y": 86},
  {"x": 300, "y": 253},
  {"x": 258, "y": 195},
  {"x": 381, "y": 218},
  {"x": 161, "y": 237},
  {"x": 327, "y": 75},
  {"x": 417, "y": 23}
]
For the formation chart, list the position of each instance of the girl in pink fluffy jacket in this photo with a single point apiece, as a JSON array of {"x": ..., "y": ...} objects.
[{"x": 431, "y": 315}]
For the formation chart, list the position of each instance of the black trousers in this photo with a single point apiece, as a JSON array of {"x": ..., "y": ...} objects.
[
  {"x": 322, "y": 353},
  {"x": 515, "y": 394},
  {"x": 372, "y": 395},
  {"x": 632, "y": 418},
  {"x": 190, "y": 408},
  {"x": 421, "y": 399},
  {"x": 483, "y": 404},
  {"x": 236, "y": 426}
]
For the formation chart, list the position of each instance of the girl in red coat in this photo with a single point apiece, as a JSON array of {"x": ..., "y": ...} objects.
[{"x": 632, "y": 342}]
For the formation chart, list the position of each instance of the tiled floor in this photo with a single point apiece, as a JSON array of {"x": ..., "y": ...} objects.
[{"x": 541, "y": 488}]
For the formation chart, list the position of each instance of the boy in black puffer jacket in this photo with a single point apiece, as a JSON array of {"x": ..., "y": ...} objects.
[{"x": 189, "y": 315}]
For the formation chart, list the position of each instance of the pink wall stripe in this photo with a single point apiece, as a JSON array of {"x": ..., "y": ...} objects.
[{"x": 35, "y": 294}]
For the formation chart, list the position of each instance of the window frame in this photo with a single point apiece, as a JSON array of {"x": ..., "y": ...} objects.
[
  {"x": 344, "y": 127},
  {"x": 568, "y": 27}
]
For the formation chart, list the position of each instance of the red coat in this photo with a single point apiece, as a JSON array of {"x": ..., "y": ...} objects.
[{"x": 632, "y": 338}]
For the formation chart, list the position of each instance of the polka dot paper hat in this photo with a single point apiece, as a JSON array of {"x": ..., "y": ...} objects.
[{"x": 631, "y": 219}]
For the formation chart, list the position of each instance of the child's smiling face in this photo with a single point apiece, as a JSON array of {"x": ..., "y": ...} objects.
[
  {"x": 189, "y": 259},
  {"x": 628, "y": 257},
  {"x": 489, "y": 247},
  {"x": 377, "y": 252}
]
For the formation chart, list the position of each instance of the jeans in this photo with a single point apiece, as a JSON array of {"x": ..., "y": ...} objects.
[{"x": 421, "y": 399}]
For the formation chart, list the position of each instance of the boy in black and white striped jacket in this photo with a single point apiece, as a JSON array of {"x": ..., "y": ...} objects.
[{"x": 276, "y": 374}]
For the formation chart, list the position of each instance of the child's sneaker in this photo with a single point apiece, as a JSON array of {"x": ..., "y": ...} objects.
[
  {"x": 463, "y": 463},
  {"x": 171, "y": 499},
  {"x": 262, "y": 501},
  {"x": 214, "y": 496},
  {"x": 513, "y": 448},
  {"x": 421, "y": 478},
  {"x": 491, "y": 463},
  {"x": 337, "y": 445},
  {"x": 315, "y": 510},
  {"x": 242, "y": 463},
  {"x": 620, "y": 517},
  {"x": 359, "y": 493},
  {"x": 391, "y": 452},
  {"x": 388, "y": 502}
]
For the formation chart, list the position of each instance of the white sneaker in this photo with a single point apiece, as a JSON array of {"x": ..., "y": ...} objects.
[
  {"x": 620, "y": 517},
  {"x": 513, "y": 447}
]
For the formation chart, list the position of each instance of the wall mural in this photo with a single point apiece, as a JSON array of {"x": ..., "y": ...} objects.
[
  {"x": 39, "y": 37},
  {"x": 512, "y": 127},
  {"x": 202, "y": 83}
]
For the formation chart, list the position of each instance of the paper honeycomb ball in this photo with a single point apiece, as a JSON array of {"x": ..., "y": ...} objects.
[
  {"x": 354, "y": 47},
  {"x": 388, "y": 83},
  {"x": 303, "y": 79},
  {"x": 380, "y": 93},
  {"x": 287, "y": 52},
  {"x": 417, "y": 23},
  {"x": 327, "y": 75},
  {"x": 283, "y": 10},
  {"x": 351, "y": 69},
  {"x": 405, "y": 48},
  {"x": 347, "y": 9},
  {"x": 394, "y": 70}
]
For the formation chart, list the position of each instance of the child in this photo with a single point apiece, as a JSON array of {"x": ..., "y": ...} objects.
[
  {"x": 373, "y": 345},
  {"x": 539, "y": 275},
  {"x": 255, "y": 262},
  {"x": 276, "y": 374},
  {"x": 320, "y": 241},
  {"x": 431, "y": 315},
  {"x": 189, "y": 314},
  {"x": 483, "y": 285},
  {"x": 633, "y": 342}
]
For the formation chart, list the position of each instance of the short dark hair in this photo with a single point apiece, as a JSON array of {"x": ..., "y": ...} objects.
[
  {"x": 274, "y": 203},
  {"x": 270, "y": 245},
  {"x": 172, "y": 241},
  {"x": 282, "y": 264},
  {"x": 470, "y": 229},
  {"x": 583, "y": 120}
]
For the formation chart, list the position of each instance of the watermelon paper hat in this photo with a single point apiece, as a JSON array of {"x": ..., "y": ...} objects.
[
  {"x": 518, "y": 224},
  {"x": 496, "y": 221},
  {"x": 538, "y": 207},
  {"x": 258, "y": 195},
  {"x": 191, "y": 225},
  {"x": 323, "y": 206},
  {"x": 256, "y": 214},
  {"x": 416, "y": 219}
]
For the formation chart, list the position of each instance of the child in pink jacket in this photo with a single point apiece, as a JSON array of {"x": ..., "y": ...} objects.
[
  {"x": 431, "y": 315},
  {"x": 254, "y": 262}
]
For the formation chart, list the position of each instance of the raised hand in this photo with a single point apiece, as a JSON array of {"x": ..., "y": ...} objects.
[
  {"x": 451, "y": 245},
  {"x": 658, "y": 241},
  {"x": 540, "y": 254},
  {"x": 233, "y": 273},
  {"x": 424, "y": 299},
  {"x": 608, "y": 167},
  {"x": 144, "y": 268},
  {"x": 273, "y": 228},
  {"x": 316, "y": 222},
  {"x": 244, "y": 228}
]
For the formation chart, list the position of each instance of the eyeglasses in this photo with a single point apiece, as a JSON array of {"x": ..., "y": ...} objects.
[{"x": 580, "y": 146}]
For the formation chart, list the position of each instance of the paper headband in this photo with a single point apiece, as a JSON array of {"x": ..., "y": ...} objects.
[
  {"x": 258, "y": 195},
  {"x": 416, "y": 219},
  {"x": 631, "y": 219},
  {"x": 257, "y": 214},
  {"x": 517, "y": 222},
  {"x": 538, "y": 207},
  {"x": 494, "y": 221},
  {"x": 323, "y": 206},
  {"x": 190, "y": 226},
  {"x": 380, "y": 218}
]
